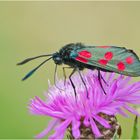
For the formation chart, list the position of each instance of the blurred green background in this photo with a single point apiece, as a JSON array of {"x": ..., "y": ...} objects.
[{"x": 33, "y": 28}]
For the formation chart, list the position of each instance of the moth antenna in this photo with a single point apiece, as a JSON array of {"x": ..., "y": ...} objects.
[
  {"x": 29, "y": 59},
  {"x": 33, "y": 70}
]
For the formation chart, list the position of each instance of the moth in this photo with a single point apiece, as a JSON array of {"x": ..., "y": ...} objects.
[{"x": 102, "y": 58}]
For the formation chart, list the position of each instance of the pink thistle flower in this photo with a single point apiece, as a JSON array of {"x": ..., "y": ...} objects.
[{"x": 67, "y": 110}]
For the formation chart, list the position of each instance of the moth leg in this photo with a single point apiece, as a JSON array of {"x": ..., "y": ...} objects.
[
  {"x": 82, "y": 80},
  {"x": 64, "y": 72},
  {"x": 99, "y": 78},
  {"x": 55, "y": 78},
  {"x": 103, "y": 79},
  {"x": 72, "y": 81}
]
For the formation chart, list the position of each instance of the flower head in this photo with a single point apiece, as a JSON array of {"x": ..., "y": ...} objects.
[{"x": 67, "y": 110}]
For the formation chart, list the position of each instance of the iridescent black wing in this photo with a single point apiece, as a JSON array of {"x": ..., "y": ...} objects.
[{"x": 111, "y": 58}]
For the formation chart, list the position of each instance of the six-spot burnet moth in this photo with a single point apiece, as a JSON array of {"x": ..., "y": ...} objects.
[{"x": 102, "y": 58}]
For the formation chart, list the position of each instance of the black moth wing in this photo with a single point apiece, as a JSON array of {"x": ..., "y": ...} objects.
[{"x": 111, "y": 58}]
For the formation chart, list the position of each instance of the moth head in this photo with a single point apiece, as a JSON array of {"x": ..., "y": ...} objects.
[{"x": 57, "y": 58}]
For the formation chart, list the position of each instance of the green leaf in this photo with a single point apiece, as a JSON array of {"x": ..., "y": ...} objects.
[
  {"x": 115, "y": 137},
  {"x": 117, "y": 133},
  {"x": 135, "y": 129}
]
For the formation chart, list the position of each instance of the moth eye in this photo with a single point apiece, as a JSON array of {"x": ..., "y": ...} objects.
[
  {"x": 103, "y": 61},
  {"x": 121, "y": 66},
  {"x": 58, "y": 59},
  {"x": 108, "y": 55},
  {"x": 85, "y": 53},
  {"x": 129, "y": 60}
]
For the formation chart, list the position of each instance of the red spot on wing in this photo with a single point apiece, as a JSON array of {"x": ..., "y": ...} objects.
[
  {"x": 85, "y": 54},
  {"x": 104, "y": 46},
  {"x": 108, "y": 55},
  {"x": 83, "y": 60},
  {"x": 103, "y": 61},
  {"x": 121, "y": 66},
  {"x": 129, "y": 60}
]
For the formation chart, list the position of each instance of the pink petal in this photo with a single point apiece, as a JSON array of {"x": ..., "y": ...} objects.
[
  {"x": 110, "y": 77},
  {"x": 55, "y": 114},
  {"x": 75, "y": 128},
  {"x": 51, "y": 125},
  {"x": 133, "y": 111},
  {"x": 42, "y": 103},
  {"x": 124, "y": 82},
  {"x": 86, "y": 121},
  {"x": 60, "y": 130},
  {"x": 57, "y": 136},
  {"x": 113, "y": 89},
  {"x": 120, "y": 111},
  {"x": 63, "y": 125},
  {"x": 108, "y": 111},
  {"x": 95, "y": 129},
  {"x": 102, "y": 121}
]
